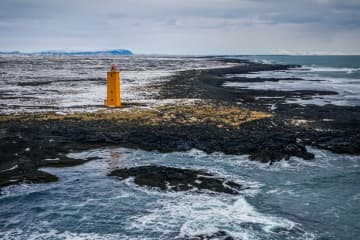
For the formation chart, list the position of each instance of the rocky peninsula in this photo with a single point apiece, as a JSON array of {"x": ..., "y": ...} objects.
[{"x": 221, "y": 119}]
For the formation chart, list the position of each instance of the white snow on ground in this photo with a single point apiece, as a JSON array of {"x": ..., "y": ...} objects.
[{"x": 70, "y": 84}]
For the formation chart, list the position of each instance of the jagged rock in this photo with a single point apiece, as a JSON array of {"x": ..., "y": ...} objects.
[
  {"x": 176, "y": 179},
  {"x": 25, "y": 175},
  {"x": 216, "y": 123},
  {"x": 217, "y": 235}
]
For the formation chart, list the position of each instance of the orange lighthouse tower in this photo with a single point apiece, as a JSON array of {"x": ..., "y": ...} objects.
[{"x": 113, "y": 88}]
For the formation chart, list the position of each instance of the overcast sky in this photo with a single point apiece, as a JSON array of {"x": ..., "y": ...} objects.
[{"x": 182, "y": 26}]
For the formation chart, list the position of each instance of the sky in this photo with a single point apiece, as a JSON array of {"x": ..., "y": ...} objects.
[{"x": 182, "y": 26}]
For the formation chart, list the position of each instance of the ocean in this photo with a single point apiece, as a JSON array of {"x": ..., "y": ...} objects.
[
  {"x": 295, "y": 199},
  {"x": 340, "y": 74}
]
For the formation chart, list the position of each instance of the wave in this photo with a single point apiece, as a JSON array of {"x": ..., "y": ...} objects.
[
  {"x": 207, "y": 215},
  {"x": 330, "y": 69},
  {"x": 19, "y": 234}
]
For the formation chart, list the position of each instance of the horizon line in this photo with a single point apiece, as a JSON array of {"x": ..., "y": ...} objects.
[{"x": 65, "y": 51}]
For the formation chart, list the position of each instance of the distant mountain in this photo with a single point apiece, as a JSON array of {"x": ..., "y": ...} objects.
[
  {"x": 118, "y": 52},
  {"x": 12, "y": 52},
  {"x": 106, "y": 52}
]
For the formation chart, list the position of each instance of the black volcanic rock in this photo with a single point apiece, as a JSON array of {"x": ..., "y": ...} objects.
[
  {"x": 32, "y": 141},
  {"x": 176, "y": 179},
  {"x": 25, "y": 175},
  {"x": 217, "y": 235}
]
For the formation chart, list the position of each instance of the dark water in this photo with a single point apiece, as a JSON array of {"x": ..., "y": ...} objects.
[
  {"x": 339, "y": 74},
  {"x": 318, "y": 199},
  {"x": 345, "y": 61}
]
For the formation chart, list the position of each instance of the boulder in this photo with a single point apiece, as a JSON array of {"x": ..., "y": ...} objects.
[{"x": 177, "y": 179}]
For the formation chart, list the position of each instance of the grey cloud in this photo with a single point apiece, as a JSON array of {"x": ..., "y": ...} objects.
[{"x": 188, "y": 26}]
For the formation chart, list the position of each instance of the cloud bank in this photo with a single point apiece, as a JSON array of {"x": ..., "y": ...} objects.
[{"x": 182, "y": 27}]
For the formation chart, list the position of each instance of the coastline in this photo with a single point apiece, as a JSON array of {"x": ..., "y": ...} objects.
[{"x": 215, "y": 123}]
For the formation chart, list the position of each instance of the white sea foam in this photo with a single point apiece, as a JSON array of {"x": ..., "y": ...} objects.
[
  {"x": 53, "y": 234},
  {"x": 9, "y": 169},
  {"x": 51, "y": 159},
  {"x": 332, "y": 69},
  {"x": 348, "y": 89},
  {"x": 206, "y": 214},
  {"x": 169, "y": 214}
]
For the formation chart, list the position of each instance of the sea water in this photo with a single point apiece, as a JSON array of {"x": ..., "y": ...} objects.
[
  {"x": 295, "y": 199},
  {"x": 339, "y": 74}
]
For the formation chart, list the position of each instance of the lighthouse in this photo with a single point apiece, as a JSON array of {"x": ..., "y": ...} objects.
[{"x": 113, "y": 88}]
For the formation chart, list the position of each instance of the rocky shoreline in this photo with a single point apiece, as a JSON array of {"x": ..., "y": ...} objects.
[
  {"x": 330, "y": 127},
  {"x": 215, "y": 123},
  {"x": 33, "y": 141}
]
